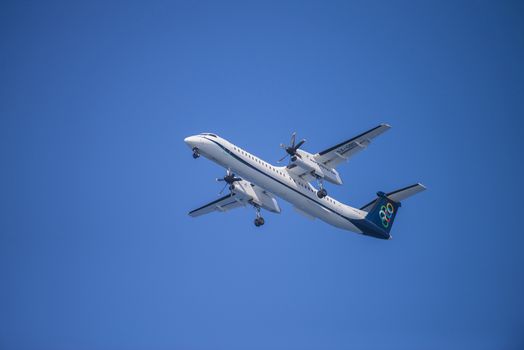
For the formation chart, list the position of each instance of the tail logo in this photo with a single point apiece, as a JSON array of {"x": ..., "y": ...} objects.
[{"x": 385, "y": 214}]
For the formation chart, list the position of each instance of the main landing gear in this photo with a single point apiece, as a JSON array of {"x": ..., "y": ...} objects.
[
  {"x": 196, "y": 154},
  {"x": 322, "y": 192},
  {"x": 259, "y": 220}
]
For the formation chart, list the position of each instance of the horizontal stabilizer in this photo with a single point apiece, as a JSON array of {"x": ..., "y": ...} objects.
[
  {"x": 398, "y": 195},
  {"x": 403, "y": 193}
]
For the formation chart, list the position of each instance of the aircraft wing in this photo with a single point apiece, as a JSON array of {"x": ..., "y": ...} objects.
[
  {"x": 244, "y": 193},
  {"x": 341, "y": 152},
  {"x": 228, "y": 202},
  {"x": 295, "y": 170}
]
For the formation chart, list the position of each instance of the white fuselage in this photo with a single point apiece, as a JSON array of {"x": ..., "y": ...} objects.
[{"x": 276, "y": 180}]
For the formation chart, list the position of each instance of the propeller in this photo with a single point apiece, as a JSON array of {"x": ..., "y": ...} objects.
[
  {"x": 292, "y": 149},
  {"x": 229, "y": 179}
]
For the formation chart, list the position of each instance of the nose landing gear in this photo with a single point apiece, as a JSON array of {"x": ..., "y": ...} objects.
[
  {"x": 259, "y": 220},
  {"x": 196, "y": 154}
]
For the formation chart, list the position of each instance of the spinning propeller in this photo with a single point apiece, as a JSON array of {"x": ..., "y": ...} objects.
[
  {"x": 292, "y": 150},
  {"x": 229, "y": 179}
]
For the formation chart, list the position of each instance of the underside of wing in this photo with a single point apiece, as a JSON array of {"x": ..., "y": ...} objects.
[
  {"x": 297, "y": 171},
  {"x": 341, "y": 152},
  {"x": 225, "y": 203}
]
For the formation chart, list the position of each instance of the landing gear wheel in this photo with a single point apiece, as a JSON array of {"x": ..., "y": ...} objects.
[
  {"x": 195, "y": 153},
  {"x": 321, "y": 193},
  {"x": 259, "y": 221}
]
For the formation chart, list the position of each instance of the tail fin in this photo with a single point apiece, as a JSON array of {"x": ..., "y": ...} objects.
[{"x": 383, "y": 210}]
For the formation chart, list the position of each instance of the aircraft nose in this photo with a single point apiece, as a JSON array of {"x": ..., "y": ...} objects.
[{"x": 191, "y": 141}]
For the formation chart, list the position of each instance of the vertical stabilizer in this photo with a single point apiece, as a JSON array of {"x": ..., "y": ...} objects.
[{"x": 382, "y": 211}]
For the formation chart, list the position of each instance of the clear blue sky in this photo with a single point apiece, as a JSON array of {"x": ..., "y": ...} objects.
[{"x": 97, "y": 250}]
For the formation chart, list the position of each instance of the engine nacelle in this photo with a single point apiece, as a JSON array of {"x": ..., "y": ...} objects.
[
  {"x": 256, "y": 195},
  {"x": 308, "y": 163}
]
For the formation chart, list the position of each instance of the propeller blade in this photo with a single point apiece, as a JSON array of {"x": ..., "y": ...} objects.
[
  {"x": 293, "y": 137},
  {"x": 300, "y": 144},
  {"x": 218, "y": 180},
  {"x": 281, "y": 159},
  {"x": 223, "y": 188}
]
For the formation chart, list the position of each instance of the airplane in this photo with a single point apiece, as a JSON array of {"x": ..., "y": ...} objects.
[{"x": 258, "y": 183}]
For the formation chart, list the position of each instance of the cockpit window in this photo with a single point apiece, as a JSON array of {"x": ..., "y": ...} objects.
[{"x": 208, "y": 134}]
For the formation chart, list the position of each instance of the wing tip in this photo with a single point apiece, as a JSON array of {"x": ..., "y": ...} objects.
[{"x": 422, "y": 186}]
